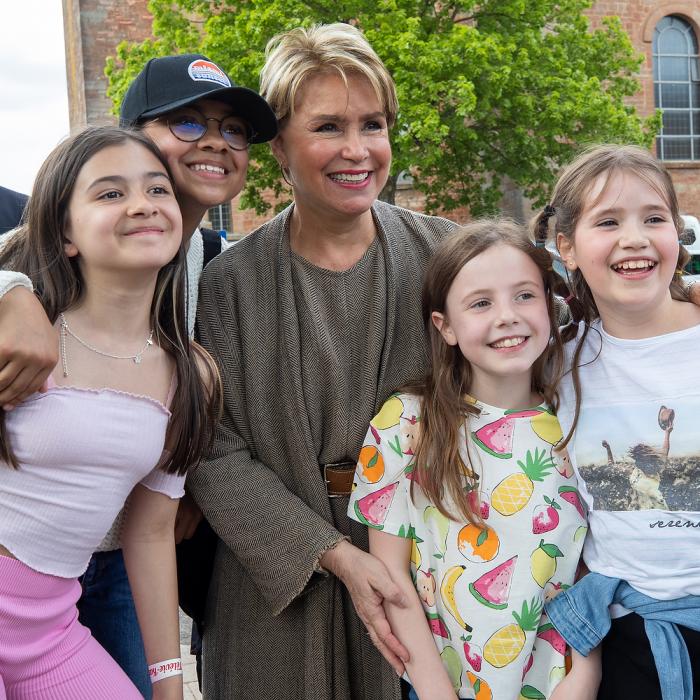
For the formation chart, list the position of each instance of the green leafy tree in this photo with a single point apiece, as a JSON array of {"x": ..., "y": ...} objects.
[{"x": 488, "y": 90}]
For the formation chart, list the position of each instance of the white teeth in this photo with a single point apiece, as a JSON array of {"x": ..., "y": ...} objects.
[
  {"x": 349, "y": 177},
  {"x": 508, "y": 342},
  {"x": 208, "y": 168},
  {"x": 634, "y": 265}
]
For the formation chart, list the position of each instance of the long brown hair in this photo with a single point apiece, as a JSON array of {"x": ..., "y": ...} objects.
[
  {"x": 37, "y": 250},
  {"x": 444, "y": 406},
  {"x": 564, "y": 211}
]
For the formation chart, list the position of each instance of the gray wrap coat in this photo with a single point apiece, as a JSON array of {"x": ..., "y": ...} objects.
[{"x": 275, "y": 626}]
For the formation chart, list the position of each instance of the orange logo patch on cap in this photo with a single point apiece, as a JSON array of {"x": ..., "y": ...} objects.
[{"x": 208, "y": 71}]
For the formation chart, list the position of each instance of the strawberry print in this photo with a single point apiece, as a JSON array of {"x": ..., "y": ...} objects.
[
  {"x": 545, "y": 517},
  {"x": 472, "y": 653},
  {"x": 482, "y": 584}
]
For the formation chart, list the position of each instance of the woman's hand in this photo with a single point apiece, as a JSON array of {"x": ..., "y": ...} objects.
[
  {"x": 28, "y": 347},
  {"x": 369, "y": 583}
]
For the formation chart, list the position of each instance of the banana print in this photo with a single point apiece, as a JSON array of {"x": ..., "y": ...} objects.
[
  {"x": 447, "y": 593},
  {"x": 482, "y": 586}
]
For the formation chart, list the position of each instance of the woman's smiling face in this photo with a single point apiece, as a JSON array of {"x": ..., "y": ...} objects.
[{"x": 335, "y": 146}]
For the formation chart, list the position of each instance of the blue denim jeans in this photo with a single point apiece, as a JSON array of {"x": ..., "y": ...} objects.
[
  {"x": 106, "y": 607},
  {"x": 581, "y": 616}
]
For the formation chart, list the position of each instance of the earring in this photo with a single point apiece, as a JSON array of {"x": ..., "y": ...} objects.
[{"x": 285, "y": 174}]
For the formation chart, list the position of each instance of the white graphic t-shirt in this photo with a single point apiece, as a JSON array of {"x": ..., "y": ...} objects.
[
  {"x": 482, "y": 590},
  {"x": 636, "y": 451}
]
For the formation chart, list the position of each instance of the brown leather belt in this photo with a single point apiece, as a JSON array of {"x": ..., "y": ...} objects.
[{"x": 339, "y": 478}]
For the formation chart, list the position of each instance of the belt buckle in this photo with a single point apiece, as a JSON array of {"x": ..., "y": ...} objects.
[{"x": 344, "y": 473}]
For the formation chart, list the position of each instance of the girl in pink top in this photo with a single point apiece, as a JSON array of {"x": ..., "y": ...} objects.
[{"x": 102, "y": 243}]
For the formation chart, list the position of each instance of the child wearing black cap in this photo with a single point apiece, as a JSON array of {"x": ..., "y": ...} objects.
[{"x": 203, "y": 124}]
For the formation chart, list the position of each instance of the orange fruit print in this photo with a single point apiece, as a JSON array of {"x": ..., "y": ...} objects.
[
  {"x": 478, "y": 544},
  {"x": 371, "y": 463},
  {"x": 481, "y": 687}
]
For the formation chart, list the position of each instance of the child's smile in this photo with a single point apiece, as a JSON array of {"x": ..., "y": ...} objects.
[
  {"x": 626, "y": 246},
  {"x": 496, "y": 312},
  {"x": 634, "y": 267},
  {"x": 510, "y": 344}
]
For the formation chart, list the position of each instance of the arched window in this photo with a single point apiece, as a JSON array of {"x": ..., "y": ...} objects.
[{"x": 677, "y": 89}]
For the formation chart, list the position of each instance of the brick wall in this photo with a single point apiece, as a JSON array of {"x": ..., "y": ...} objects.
[
  {"x": 639, "y": 18},
  {"x": 633, "y": 14},
  {"x": 94, "y": 27}
]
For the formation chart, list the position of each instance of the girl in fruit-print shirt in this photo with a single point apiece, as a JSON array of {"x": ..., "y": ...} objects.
[{"x": 468, "y": 504}]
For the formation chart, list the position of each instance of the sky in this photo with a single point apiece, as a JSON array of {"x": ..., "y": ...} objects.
[{"x": 33, "y": 93}]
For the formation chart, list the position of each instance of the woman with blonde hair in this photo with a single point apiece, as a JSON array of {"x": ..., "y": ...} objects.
[{"x": 314, "y": 319}]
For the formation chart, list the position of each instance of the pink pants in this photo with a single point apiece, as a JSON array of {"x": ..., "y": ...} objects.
[{"x": 45, "y": 653}]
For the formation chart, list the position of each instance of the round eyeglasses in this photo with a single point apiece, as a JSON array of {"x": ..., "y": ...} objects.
[{"x": 190, "y": 127}]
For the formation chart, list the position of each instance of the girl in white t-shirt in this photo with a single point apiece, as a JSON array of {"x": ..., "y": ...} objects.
[
  {"x": 128, "y": 410},
  {"x": 630, "y": 405},
  {"x": 475, "y": 515}
]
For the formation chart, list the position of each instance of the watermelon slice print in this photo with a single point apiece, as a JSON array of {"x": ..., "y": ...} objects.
[
  {"x": 571, "y": 495},
  {"x": 437, "y": 625},
  {"x": 372, "y": 509},
  {"x": 549, "y": 634},
  {"x": 493, "y": 588},
  {"x": 497, "y": 438}
]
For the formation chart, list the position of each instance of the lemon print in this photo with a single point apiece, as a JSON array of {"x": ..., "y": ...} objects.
[
  {"x": 389, "y": 414},
  {"x": 547, "y": 428},
  {"x": 416, "y": 558},
  {"x": 543, "y": 562}
]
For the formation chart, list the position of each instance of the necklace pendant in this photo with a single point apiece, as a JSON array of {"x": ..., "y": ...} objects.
[{"x": 137, "y": 359}]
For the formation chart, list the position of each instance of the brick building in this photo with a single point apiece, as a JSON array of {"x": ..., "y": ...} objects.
[{"x": 666, "y": 32}]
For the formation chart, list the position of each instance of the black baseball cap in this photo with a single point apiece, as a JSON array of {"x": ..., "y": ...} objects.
[{"x": 170, "y": 82}]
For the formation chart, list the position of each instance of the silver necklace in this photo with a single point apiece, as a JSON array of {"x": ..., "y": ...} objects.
[{"x": 65, "y": 328}]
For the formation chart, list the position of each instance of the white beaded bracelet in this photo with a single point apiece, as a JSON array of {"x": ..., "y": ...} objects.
[{"x": 165, "y": 669}]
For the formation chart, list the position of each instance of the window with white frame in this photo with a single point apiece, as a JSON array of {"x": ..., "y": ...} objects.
[
  {"x": 220, "y": 217},
  {"x": 677, "y": 89}
]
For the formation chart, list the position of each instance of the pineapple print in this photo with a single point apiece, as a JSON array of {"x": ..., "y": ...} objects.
[
  {"x": 514, "y": 492},
  {"x": 505, "y": 645}
]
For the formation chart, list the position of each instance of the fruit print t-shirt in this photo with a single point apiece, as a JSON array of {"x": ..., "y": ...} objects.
[
  {"x": 483, "y": 590},
  {"x": 637, "y": 452}
]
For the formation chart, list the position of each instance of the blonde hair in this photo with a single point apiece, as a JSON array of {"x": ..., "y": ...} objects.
[{"x": 294, "y": 56}]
